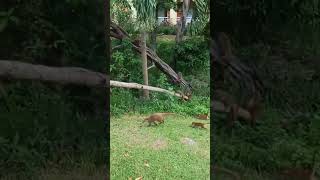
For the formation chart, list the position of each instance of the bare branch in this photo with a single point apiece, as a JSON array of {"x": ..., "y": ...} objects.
[{"x": 140, "y": 86}]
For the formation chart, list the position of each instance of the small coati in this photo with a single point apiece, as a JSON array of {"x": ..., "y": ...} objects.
[
  {"x": 156, "y": 117},
  {"x": 199, "y": 125},
  {"x": 202, "y": 116}
]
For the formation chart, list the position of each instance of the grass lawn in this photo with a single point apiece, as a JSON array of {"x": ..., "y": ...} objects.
[{"x": 159, "y": 152}]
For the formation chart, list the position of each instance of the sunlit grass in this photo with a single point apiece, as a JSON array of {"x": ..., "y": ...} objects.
[{"x": 158, "y": 152}]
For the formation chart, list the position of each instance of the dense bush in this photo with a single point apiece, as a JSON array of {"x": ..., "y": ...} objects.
[
  {"x": 192, "y": 55},
  {"x": 123, "y": 101},
  {"x": 166, "y": 30}
]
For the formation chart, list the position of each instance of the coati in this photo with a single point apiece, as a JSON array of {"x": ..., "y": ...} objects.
[
  {"x": 202, "y": 116},
  {"x": 226, "y": 171},
  {"x": 199, "y": 125},
  {"x": 156, "y": 117}
]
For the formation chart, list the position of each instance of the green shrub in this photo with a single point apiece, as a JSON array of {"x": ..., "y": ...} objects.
[
  {"x": 167, "y": 30},
  {"x": 123, "y": 101},
  {"x": 192, "y": 55}
]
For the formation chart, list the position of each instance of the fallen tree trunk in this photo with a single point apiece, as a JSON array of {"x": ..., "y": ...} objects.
[
  {"x": 64, "y": 75},
  {"x": 140, "y": 86},
  {"x": 67, "y": 75},
  {"x": 218, "y": 106}
]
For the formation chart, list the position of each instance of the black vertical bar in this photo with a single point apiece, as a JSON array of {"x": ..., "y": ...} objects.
[
  {"x": 106, "y": 111},
  {"x": 212, "y": 142}
]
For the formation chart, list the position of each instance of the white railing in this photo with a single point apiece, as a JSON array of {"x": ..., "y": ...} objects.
[
  {"x": 188, "y": 19},
  {"x": 170, "y": 20}
]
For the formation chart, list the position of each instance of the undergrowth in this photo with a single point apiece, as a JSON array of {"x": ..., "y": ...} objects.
[
  {"x": 290, "y": 74},
  {"x": 40, "y": 126}
]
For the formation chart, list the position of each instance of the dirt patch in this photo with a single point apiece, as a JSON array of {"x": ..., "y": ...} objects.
[
  {"x": 188, "y": 141},
  {"x": 159, "y": 144}
]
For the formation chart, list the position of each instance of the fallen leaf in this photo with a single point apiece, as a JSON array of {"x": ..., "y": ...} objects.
[{"x": 130, "y": 178}]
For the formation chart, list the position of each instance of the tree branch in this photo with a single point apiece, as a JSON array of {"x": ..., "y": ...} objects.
[
  {"x": 140, "y": 86},
  {"x": 67, "y": 75},
  {"x": 64, "y": 75}
]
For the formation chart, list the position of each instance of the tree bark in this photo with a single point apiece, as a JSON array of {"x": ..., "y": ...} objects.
[
  {"x": 154, "y": 34},
  {"x": 140, "y": 86},
  {"x": 144, "y": 64},
  {"x": 181, "y": 25},
  {"x": 154, "y": 39},
  {"x": 65, "y": 75}
]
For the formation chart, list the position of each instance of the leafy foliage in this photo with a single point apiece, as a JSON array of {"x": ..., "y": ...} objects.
[
  {"x": 166, "y": 30},
  {"x": 201, "y": 17},
  {"x": 146, "y": 13},
  {"x": 121, "y": 13},
  {"x": 251, "y": 20},
  {"x": 193, "y": 55}
]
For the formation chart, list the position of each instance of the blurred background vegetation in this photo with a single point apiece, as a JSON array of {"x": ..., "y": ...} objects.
[
  {"x": 281, "y": 39},
  {"x": 45, "y": 125}
]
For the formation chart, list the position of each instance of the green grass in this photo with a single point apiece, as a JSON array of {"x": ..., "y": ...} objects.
[{"x": 157, "y": 152}]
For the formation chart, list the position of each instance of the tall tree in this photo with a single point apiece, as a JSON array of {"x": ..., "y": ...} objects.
[
  {"x": 161, "y": 4},
  {"x": 146, "y": 11},
  {"x": 181, "y": 25},
  {"x": 200, "y": 18}
]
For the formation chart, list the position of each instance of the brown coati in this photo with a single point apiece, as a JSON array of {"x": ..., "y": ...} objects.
[
  {"x": 156, "y": 117},
  {"x": 202, "y": 116},
  {"x": 199, "y": 125}
]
